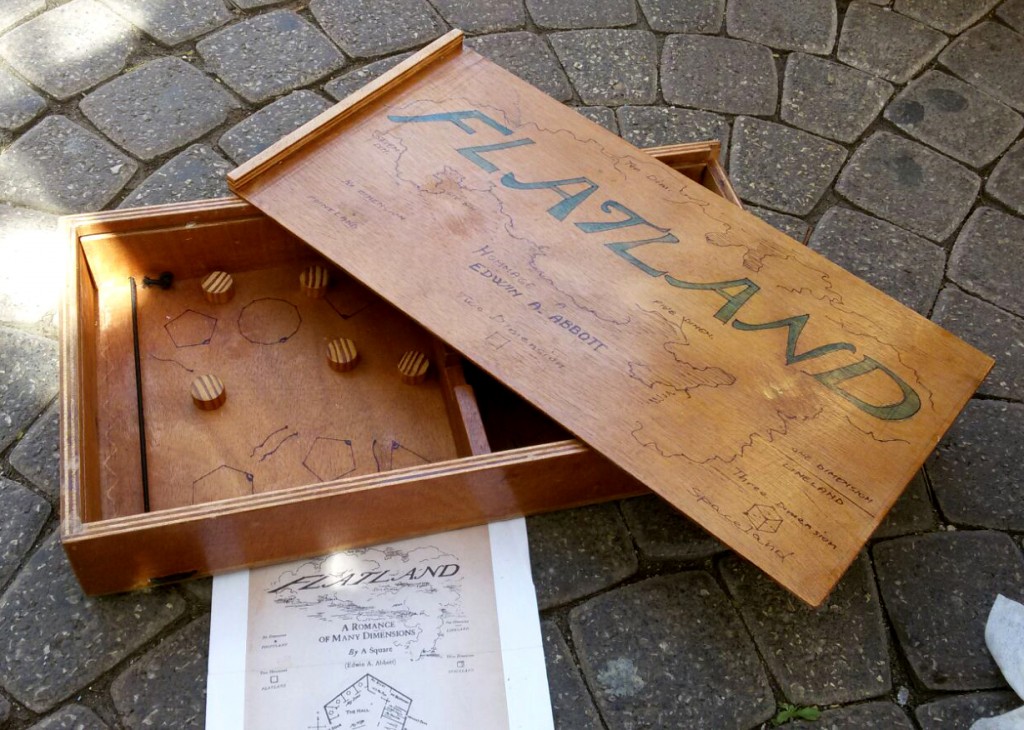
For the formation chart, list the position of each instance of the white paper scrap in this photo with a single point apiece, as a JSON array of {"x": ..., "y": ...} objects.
[{"x": 1004, "y": 636}]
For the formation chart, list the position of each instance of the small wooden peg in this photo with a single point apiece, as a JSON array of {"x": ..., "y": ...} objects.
[
  {"x": 342, "y": 354},
  {"x": 218, "y": 287},
  {"x": 314, "y": 281},
  {"x": 413, "y": 367},
  {"x": 208, "y": 392}
]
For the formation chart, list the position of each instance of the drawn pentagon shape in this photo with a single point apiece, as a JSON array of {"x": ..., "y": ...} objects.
[
  {"x": 223, "y": 482},
  {"x": 191, "y": 328},
  {"x": 330, "y": 458},
  {"x": 269, "y": 321},
  {"x": 764, "y": 518},
  {"x": 349, "y": 299}
]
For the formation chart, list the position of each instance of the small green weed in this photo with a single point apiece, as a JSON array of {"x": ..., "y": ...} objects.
[{"x": 788, "y": 712}]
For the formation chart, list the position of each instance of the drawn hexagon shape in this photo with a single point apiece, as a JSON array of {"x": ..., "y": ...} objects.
[
  {"x": 330, "y": 458},
  {"x": 222, "y": 483},
  {"x": 191, "y": 328},
  {"x": 764, "y": 518}
]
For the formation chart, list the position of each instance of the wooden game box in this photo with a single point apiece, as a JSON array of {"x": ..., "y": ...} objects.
[
  {"x": 300, "y": 459},
  {"x": 771, "y": 396}
]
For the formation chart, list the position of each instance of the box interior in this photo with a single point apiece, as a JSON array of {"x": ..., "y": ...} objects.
[{"x": 289, "y": 419}]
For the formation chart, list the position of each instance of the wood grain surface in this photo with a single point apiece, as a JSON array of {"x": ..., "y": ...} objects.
[{"x": 774, "y": 398}]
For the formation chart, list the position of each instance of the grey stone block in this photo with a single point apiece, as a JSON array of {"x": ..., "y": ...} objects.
[
  {"x": 29, "y": 292},
  {"x": 482, "y": 16},
  {"x": 650, "y": 649},
  {"x": 269, "y": 55},
  {"x": 94, "y": 44},
  {"x": 528, "y": 57},
  {"x": 912, "y": 512},
  {"x": 908, "y": 184},
  {"x": 991, "y": 57},
  {"x": 869, "y": 716},
  {"x": 28, "y": 380},
  {"x": 959, "y": 712},
  {"x": 571, "y": 704},
  {"x": 257, "y": 132},
  {"x": 347, "y": 83},
  {"x": 835, "y": 653},
  {"x": 370, "y": 28},
  {"x": 13, "y": 12},
  {"x": 24, "y": 514},
  {"x": 194, "y": 174},
  {"x": 696, "y": 16},
  {"x": 167, "y": 686},
  {"x": 938, "y": 589},
  {"x": 59, "y": 166},
  {"x": 19, "y": 105},
  {"x": 58, "y": 640},
  {"x": 160, "y": 106},
  {"x": 609, "y": 67},
  {"x": 955, "y": 118},
  {"x": 1006, "y": 183},
  {"x": 1011, "y": 12},
  {"x": 904, "y": 266},
  {"x": 781, "y": 168},
  {"x": 5, "y": 711},
  {"x": 173, "y": 21},
  {"x": 885, "y": 43},
  {"x": 831, "y": 99},
  {"x": 601, "y": 115},
  {"x": 719, "y": 74},
  {"x": 37, "y": 455},
  {"x": 988, "y": 258},
  {"x": 792, "y": 25},
  {"x": 72, "y": 717},
  {"x": 201, "y": 589},
  {"x": 577, "y": 552},
  {"x": 579, "y": 14},
  {"x": 790, "y": 225},
  {"x": 993, "y": 331},
  {"x": 342, "y": 86},
  {"x": 654, "y": 126},
  {"x": 949, "y": 16},
  {"x": 250, "y": 4},
  {"x": 662, "y": 533},
  {"x": 974, "y": 469}
]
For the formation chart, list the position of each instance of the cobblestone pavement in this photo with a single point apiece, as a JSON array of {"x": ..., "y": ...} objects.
[{"x": 890, "y": 130}]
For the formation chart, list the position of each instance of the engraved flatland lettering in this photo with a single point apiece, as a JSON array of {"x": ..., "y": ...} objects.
[{"x": 735, "y": 292}]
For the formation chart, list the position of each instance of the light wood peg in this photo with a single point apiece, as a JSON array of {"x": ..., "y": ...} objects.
[
  {"x": 208, "y": 392},
  {"x": 413, "y": 367},
  {"x": 342, "y": 354},
  {"x": 218, "y": 287},
  {"x": 314, "y": 281}
]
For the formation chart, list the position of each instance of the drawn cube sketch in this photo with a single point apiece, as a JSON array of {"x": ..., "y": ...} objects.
[{"x": 764, "y": 518}]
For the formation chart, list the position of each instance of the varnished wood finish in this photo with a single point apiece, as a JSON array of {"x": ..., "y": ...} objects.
[
  {"x": 314, "y": 281},
  {"x": 342, "y": 354},
  {"x": 218, "y": 287},
  {"x": 413, "y": 366},
  {"x": 773, "y": 397},
  {"x": 113, "y": 546},
  {"x": 208, "y": 393}
]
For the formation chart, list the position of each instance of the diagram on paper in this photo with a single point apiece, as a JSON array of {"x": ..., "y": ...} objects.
[{"x": 368, "y": 704}]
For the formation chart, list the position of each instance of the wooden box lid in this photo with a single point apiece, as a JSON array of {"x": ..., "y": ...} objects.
[{"x": 774, "y": 398}]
